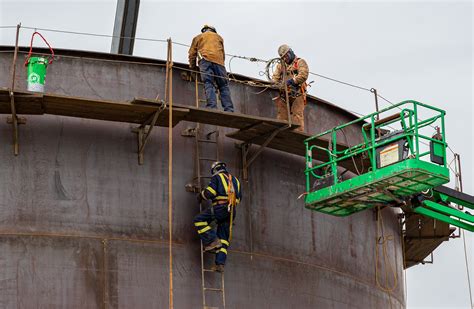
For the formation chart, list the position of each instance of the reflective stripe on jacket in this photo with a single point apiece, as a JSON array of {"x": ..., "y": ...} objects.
[{"x": 218, "y": 187}]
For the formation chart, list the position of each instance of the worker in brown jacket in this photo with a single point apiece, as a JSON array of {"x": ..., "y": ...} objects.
[
  {"x": 296, "y": 75},
  {"x": 208, "y": 49}
]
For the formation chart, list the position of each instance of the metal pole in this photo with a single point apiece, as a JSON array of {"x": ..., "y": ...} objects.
[
  {"x": 445, "y": 146},
  {"x": 372, "y": 146},
  {"x": 282, "y": 62},
  {"x": 417, "y": 136},
  {"x": 12, "y": 94},
  {"x": 169, "y": 93},
  {"x": 15, "y": 56},
  {"x": 374, "y": 91},
  {"x": 309, "y": 164},
  {"x": 245, "y": 151},
  {"x": 333, "y": 155},
  {"x": 166, "y": 78},
  {"x": 459, "y": 177},
  {"x": 460, "y": 172}
]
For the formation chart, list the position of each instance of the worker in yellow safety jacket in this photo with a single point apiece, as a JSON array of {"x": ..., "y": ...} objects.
[
  {"x": 208, "y": 49},
  {"x": 296, "y": 75},
  {"x": 224, "y": 193}
]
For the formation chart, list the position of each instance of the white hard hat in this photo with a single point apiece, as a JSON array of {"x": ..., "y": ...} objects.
[
  {"x": 283, "y": 50},
  {"x": 218, "y": 167}
]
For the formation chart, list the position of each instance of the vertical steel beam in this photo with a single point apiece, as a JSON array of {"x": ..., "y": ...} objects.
[
  {"x": 169, "y": 101},
  {"x": 125, "y": 26}
]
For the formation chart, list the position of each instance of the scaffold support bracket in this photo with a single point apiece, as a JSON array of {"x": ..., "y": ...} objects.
[
  {"x": 20, "y": 120},
  {"x": 14, "y": 124},
  {"x": 144, "y": 132},
  {"x": 247, "y": 158}
]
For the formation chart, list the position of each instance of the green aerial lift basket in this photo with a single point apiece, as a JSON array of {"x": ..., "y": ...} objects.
[
  {"x": 385, "y": 185},
  {"x": 398, "y": 167}
]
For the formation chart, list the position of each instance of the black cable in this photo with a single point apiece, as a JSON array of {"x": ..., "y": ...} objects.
[
  {"x": 339, "y": 81},
  {"x": 95, "y": 34}
]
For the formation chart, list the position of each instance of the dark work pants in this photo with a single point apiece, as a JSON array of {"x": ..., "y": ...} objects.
[
  {"x": 202, "y": 223},
  {"x": 215, "y": 74}
]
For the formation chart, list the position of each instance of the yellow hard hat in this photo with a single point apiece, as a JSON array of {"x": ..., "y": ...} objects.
[{"x": 208, "y": 27}]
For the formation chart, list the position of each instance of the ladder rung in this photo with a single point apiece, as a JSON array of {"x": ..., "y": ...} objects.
[
  {"x": 208, "y": 159},
  {"x": 204, "y": 136},
  {"x": 207, "y": 141},
  {"x": 213, "y": 289}
]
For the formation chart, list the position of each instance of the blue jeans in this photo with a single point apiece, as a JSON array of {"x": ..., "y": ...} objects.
[
  {"x": 202, "y": 223},
  {"x": 212, "y": 75}
]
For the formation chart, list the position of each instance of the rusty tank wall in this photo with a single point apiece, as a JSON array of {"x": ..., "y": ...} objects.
[{"x": 84, "y": 226}]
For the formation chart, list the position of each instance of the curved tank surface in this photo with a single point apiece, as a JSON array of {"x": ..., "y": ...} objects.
[{"x": 84, "y": 225}]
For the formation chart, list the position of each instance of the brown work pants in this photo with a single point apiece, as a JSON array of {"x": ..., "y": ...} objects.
[{"x": 297, "y": 111}]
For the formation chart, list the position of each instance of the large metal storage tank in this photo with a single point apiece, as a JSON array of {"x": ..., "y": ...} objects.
[{"x": 84, "y": 226}]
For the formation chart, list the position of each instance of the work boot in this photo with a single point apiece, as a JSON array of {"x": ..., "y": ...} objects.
[
  {"x": 218, "y": 267},
  {"x": 213, "y": 245}
]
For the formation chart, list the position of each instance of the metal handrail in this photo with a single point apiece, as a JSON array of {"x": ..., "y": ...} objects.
[
  {"x": 410, "y": 123},
  {"x": 361, "y": 119}
]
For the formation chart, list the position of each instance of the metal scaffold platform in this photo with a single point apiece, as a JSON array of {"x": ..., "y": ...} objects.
[{"x": 255, "y": 130}]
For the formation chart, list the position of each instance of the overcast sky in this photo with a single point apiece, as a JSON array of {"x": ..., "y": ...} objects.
[{"x": 405, "y": 49}]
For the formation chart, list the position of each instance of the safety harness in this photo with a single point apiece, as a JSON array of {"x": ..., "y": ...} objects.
[
  {"x": 303, "y": 87},
  {"x": 231, "y": 198}
]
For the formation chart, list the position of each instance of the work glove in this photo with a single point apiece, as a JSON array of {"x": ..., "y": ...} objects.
[{"x": 291, "y": 82}]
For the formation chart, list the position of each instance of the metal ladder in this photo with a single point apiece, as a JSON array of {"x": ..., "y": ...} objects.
[{"x": 206, "y": 137}]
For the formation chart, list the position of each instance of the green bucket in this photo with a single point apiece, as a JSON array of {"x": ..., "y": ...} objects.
[{"x": 36, "y": 72}]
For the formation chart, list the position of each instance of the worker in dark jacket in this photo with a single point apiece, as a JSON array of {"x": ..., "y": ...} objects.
[
  {"x": 208, "y": 48},
  {"x": 224, "y": 193}
]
